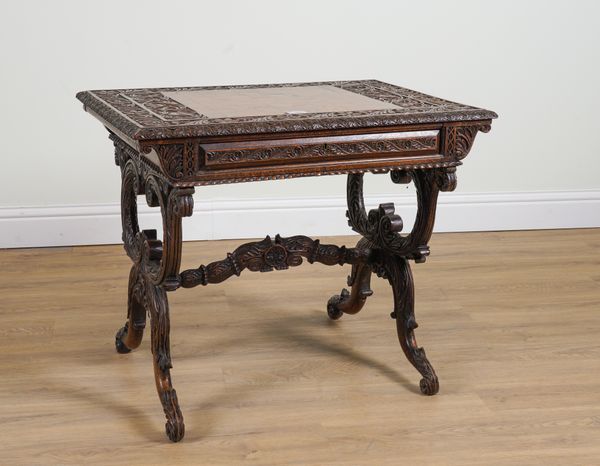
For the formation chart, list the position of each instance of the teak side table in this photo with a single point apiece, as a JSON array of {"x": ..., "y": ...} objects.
[{"x": 169, "y": 140}]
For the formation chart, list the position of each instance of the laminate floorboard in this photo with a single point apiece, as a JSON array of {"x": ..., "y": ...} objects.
[{"x": 509, "y": 320}]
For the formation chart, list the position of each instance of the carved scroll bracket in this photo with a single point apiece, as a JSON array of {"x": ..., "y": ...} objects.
[
  {"x": 382, "y": 226},
  {"x": 161, "y": 259}
]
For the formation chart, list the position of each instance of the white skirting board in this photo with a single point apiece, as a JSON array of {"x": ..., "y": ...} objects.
[{"x": 255, "y": 218}]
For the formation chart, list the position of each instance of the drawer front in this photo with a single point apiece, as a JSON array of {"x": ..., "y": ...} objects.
[{"x": 315, "y": 149}]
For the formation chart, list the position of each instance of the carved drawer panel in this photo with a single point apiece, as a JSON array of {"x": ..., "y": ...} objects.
[{"x": 316, "y": 149}]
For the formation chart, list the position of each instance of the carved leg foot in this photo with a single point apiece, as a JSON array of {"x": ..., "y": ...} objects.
[
  {"x": 398, "y": 273},
  {"x": 351, "y": 302},
  {"x": 130, "y": 335},
  {"x": 119, "y": 337},
  {"x": 161, "y": 355}
]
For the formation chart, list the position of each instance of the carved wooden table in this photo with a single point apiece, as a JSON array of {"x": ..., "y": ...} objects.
[{"x": 169, "y": 140}]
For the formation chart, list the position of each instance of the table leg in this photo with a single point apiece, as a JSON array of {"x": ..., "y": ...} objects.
[
  {"x": 155, "y": 271},
  {"x": 397, "y": 271},
  {"x": 161, "y": 357},
  {"x": 391, "y": 252}
]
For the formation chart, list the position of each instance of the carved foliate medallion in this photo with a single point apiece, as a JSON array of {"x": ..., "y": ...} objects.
[{"x": 276, "y": 257}]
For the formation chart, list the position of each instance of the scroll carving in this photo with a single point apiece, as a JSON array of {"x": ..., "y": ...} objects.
[{"x": 382, "y": 226}]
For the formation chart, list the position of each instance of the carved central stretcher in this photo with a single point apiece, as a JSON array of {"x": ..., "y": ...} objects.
[{"x": 169, "y": 140}]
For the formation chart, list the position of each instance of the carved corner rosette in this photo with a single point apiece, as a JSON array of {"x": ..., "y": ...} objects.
[{"x": 458, "y": 140}]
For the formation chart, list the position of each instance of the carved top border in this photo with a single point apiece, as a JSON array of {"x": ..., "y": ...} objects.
[{"x": 148, "y": 114}]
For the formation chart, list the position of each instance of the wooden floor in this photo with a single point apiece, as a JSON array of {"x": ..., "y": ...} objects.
[{"x": 510, "y": 321}]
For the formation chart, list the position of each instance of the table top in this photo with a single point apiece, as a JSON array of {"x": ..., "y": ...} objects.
[
  {"x": 228, "y": 134},
  {"x": 163, "y": 113}
]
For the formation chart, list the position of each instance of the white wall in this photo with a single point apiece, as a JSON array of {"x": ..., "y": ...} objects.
[{"x": 534, "y": 62}]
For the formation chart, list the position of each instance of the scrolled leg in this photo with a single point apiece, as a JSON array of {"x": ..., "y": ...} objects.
[
  {"x": 155, "y": 269},
  {"x": 399, "y": 275},
  {"x": 161, "y": 357},
  {"x": 381, "y": 228}
]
